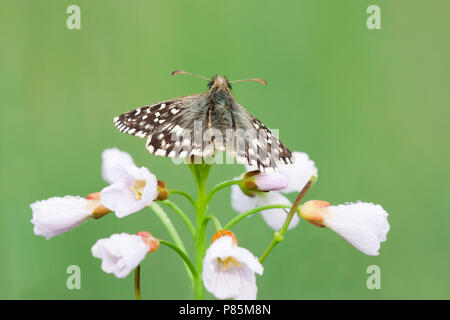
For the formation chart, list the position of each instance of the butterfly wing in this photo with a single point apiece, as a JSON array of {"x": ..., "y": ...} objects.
[
  {"x": 170, "y": 130},
  {"x": 167, "y": 125},
  {"x": 261, "y": 149}
]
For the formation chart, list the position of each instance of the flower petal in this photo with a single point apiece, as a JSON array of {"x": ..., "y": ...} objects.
[
  {"x": 363, "y": 225},
  {"x": 298, "y": 173},
  {"x": 223, "y": 284},
  {"x": 240, "y": 202},
  {"x": 244, "y": 256},
  {"x": 248, "y": 289},
  {"x": 237, "y": 282},
  {"x": 120, "y": 253},
  {"x": 56, "y": 215},
  {"x": 111, "y": 159},
  {"x": 275, "y": 218},
  {"x": 270, "y": 181},
  {"x": 121, "y": 198}
]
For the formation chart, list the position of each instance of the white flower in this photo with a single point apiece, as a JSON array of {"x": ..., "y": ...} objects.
[
  {"x": 120, "y": 253},
  {"x": 229, "y": 271},
  {"x": 112, "y": 158},
  {"x": 364, "y": 225},
  {"x": 60, "y": 214},
  {"x": 296, "y": 175},
  {"x": 131, "y": 189}
]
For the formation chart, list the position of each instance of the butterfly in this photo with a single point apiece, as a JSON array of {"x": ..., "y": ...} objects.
[{"x": 199, "y": 125}]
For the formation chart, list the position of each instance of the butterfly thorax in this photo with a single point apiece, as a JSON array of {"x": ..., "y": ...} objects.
[
  {"x": 221, "y": 104},
  {"x": 221, "y": 97}
]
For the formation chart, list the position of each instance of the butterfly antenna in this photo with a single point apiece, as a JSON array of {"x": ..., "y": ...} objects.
[
  {"x": 259, "y": 80},
  {"x": 189, "y": 74}
]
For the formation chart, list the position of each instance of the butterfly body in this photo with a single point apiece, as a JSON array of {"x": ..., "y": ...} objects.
[{"x": 216, "y": 120}]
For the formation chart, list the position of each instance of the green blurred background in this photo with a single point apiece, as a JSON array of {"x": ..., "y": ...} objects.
[{"x": 371, "y": 107}]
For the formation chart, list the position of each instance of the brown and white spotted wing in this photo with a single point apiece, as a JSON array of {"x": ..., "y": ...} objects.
[
  {"x": 263, "y": 150},
  {"x": 167, "y": 125},
  {"x": 169, "y": 128}
]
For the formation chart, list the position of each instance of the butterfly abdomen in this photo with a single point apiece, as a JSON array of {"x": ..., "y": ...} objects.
[{"x": 220, "y": 118}]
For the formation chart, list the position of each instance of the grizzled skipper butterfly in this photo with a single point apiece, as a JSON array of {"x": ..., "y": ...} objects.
[{"x": 168, "y": 127}]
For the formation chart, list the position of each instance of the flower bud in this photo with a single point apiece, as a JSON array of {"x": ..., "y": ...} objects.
[
  {"x": 150, "y": 241},
  {"x": 270, "y": 181},
  {"x": 313, "y": 211},
  {"x": 259, "y": 181},
  {"x": 99, "y": 210},
  {"x": 163, "y": 194},
  {"x": 94, "y": 196},
  {"x": 223, "y": 233},
  {"x": 248, "y": 184}
]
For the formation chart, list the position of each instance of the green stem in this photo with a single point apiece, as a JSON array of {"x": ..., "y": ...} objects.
[
  {"x": 162, "y": 215},
  {"x": 171, "y": 229},
  {"x": 183, "y": 255},
  {"x": 252, "y": 211},
  {"x": 276, "y": 239},
  {"x": 220, "y": 186},
  {"x": 181, "y": 214},
  {"x": 137, "y": 282},
  {"x": 279, "y": 235},
  {"x": 184, "y": 194},
  {"x": 200, "y": 173},
  {"x": 214, "y": 219}
]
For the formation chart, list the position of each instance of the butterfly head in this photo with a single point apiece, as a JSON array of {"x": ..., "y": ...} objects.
[{"x": 219, "y": 83}]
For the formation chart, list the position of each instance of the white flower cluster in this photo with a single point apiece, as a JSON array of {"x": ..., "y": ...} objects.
[
  {"x": 130, "y": 190},
  {"x": 228, "y": 270},
  {"x": 364, "y": 225}
]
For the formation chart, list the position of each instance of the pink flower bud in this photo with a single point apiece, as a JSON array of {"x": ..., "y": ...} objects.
[
  {"x": 93, "y": 196},
  {"x": 223, "y": 233},
  {"x": 313, "y": 211},
  {"x": 256, "y": 180},
  {"x": 150, "y": 241},
  {"x": 99, "y": 210},
  {"x": 270, "y": 182}
]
